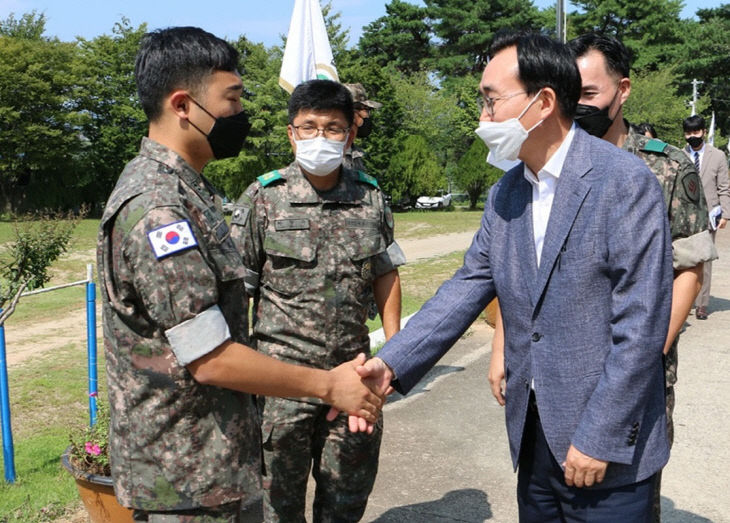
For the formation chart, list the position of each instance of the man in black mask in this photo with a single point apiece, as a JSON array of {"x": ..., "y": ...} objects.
[
  {"x": 363, "y": 108},
  {"x": 185, "y": 437},
  {"x": 603, "y": 63}
]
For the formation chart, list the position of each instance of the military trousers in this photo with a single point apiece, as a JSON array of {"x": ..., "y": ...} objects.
[
  {"x": 228, "y": 513},
  {"x": 298, "y": 438},
  {"x": 670, "y": 378}
]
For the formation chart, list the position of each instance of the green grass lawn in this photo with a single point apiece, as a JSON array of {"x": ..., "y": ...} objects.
[
  {"x": 48, "y": 393},
  {"x": 423, "y": 224}
]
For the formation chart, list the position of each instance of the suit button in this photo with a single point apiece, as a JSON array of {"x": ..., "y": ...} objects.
[{"x": 536, "y": 336}]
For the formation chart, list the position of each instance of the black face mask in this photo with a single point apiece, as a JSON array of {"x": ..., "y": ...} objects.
[
  {"x": 593, "y": 120},
  {"x": 227, "y": 135},
  {"x": 365, "y": 129},
  {"x": 694, "y": 142}
]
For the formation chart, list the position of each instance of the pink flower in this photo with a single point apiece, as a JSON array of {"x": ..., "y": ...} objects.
[{"x": 92, "y": 448}]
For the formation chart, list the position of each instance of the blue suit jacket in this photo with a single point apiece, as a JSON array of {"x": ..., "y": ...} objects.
[{"x": 588, "y": 325}]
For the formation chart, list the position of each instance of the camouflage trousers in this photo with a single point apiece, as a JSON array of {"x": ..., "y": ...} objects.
[
  {"x": 670, "y": 377},
  {"x": 228, "y": 513},
  {"x": 296, "y": 437}
]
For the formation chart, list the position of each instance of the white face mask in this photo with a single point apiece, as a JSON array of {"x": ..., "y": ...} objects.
[
  {"x": 505, "y": 139},
  {"x": 502, "y": 165},
  {"x": 319, "y": 156}
]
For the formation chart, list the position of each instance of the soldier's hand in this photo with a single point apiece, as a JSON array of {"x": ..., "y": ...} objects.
[
  {"x": 349, "y": 393},
  {"x": 581, "y": 470},
  {"x": 496, "y": 376}
]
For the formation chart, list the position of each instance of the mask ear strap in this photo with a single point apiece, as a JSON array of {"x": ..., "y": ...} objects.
[{"x": 529, "y": 105}]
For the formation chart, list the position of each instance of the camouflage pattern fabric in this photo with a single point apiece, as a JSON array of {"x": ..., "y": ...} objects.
[
  {"x": 354, "y": 159},
  {"x": 175, "y": 444},
  {"x": 228, "y": 513},
  {"x": 344, "y": 465},
  {"x": 317, "y": 255},
  {"x": 687, "y": 213},
  {"x": 683, "y": 194}
]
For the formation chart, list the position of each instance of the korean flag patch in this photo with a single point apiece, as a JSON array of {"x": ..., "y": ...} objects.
[{"x": 171, "y": 238}]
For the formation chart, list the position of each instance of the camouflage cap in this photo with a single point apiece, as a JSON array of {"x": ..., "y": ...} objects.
[{"x": 360, "y": 96}]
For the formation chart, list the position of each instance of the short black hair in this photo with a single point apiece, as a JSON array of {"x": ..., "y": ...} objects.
[
  {"x": 178, "y": 58},
  {"x": 543, "y": 62},
  {"x": 694, "y": 123},
  {"x": 617, "y": 56},
  {"x": 321, "y": 95},
  {"x": 646, "y": 127}
]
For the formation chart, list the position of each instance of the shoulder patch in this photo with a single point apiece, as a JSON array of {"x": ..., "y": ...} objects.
[
  {"x": 692, "y": 186},
  {"x": 654, "y": 146},
  {"x": 269, "y": 178},
  {"x": 171, "y": 238},
  {"x": 362, "y": 177}
]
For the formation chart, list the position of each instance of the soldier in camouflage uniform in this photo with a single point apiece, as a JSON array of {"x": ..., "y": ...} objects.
[
  {"x": 355, "y": 156},
  {"x": 604, "y": 66},
  {"x": 318, "y": 238},
  {"x": 184, "y": 439}
]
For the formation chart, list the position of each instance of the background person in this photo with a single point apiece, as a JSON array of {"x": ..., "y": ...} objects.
[{"x": 711, "y": 164}]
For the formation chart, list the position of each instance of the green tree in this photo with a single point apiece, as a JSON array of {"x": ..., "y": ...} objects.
[
  {"x": 113, "y": 120},
  {"x": 465, "y": 28},
  {"x": 400, "y": 39},
  {"x": 413, "y": 171},
  {"x": 40, "y": 144},
  {"x": 38, "y": 241},
  {"x": 473, "y": 174},
  {"x": 267, "y": 146},
  {"x": 651, "y": 29},
  {"x": 30, "y": 26},
  {"x": 654, "y": 98},
  {"x": 704, "y": 56}
]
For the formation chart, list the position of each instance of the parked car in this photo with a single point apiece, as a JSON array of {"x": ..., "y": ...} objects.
[
  {"x": 440, "y": 201},
  {"x": 227, "y": 206}
]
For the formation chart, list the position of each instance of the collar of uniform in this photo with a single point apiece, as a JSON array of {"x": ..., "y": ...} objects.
[
  {"x": 633, "y": 139},
  {"x": 175, "y": 163},
  {"x": 301, "y": 191}
]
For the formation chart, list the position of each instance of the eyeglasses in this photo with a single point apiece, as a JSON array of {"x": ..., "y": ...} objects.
[
  {"x": 309, "y": 131},
  {"x": 485, "y": 102}
]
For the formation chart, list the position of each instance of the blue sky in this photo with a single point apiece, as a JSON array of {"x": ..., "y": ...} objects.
[{"x": 260, "y": 20}]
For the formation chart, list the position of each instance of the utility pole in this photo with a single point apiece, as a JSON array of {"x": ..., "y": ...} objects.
[
  {"x": 695, "y": 83},
  {"x": 560, "y": 20}
]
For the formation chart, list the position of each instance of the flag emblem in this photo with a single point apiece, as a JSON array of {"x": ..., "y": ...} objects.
[{"x": 171, "y": 238}]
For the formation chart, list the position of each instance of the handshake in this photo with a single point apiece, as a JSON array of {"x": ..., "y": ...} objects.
[{"x": 359, "y": 387}]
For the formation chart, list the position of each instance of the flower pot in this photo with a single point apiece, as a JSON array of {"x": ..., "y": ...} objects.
[{"x": 97, "y": 494}]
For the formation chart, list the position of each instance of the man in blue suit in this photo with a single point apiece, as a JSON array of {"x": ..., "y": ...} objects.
[{"x": 575, "y": 243}]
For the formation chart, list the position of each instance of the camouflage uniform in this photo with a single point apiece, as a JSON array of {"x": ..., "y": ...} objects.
[
  {"x": 316, "y": 255},
  {"x": 175, "y": 444},
  {"x": 354, "y": 158},
  {"x": 691, "y": 240}
]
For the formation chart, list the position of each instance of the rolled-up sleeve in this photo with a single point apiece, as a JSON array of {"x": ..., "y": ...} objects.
[{"x": 178, "y": 292}]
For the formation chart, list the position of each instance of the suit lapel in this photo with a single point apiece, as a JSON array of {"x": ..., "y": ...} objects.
[
  {"x": 525, "y": 244},
  {"x": 569, "y": 196}
]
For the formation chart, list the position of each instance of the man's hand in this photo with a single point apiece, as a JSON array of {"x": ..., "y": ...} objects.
[
  {"x": 496, "y": 376},
  {"x": 581, "y": 470},
  {"x": 349, "y": 393},
  {"x": 722, "y": 223}
]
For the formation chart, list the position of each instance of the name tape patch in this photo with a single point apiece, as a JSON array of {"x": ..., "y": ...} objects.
[{"x": 171, "y": 238}]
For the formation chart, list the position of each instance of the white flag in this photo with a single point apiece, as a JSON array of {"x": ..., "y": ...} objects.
[
  {"x": 308, "y": 54},
  {"x": 711, "y": 133}
]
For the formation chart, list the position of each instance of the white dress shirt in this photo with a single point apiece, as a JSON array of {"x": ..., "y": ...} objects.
[
  {"x": 543, "y": 190},
  {"x": 692, "y": 153}
]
